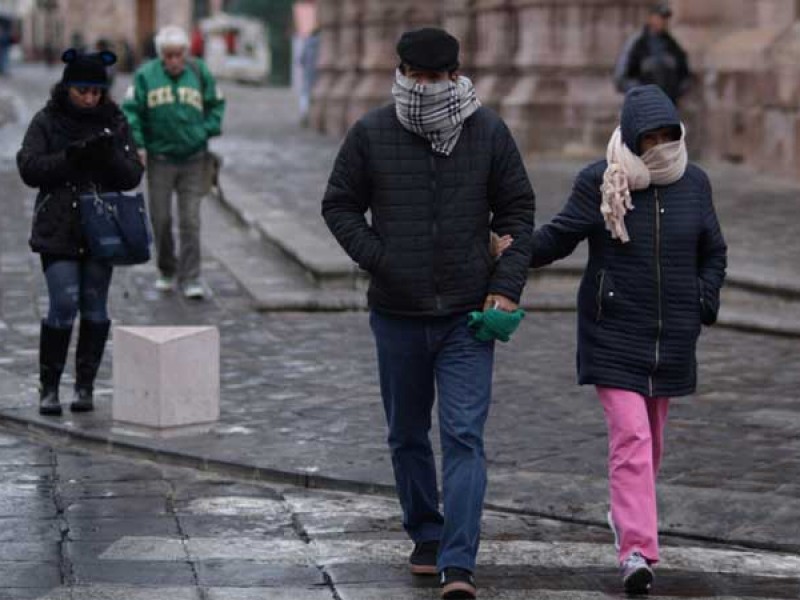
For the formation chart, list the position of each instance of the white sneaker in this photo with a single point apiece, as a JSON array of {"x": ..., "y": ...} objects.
[
  {"x": 194, "y": 290},
  {"x": 165, "y": 283},
  {"x": 637, "y": 576}
]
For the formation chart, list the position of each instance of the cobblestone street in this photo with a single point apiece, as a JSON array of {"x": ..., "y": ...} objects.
[
  {"x": 300, "y": 402},
  {"x": 93, "y": 526}
]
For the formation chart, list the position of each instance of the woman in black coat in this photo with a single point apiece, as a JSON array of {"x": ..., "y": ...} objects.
[
  {"x": 79, "y": 142},
  {"x": 657, "y": 262}
]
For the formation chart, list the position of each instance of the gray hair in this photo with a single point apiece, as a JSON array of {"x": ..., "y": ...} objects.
[{"x": 171, "y": 36}]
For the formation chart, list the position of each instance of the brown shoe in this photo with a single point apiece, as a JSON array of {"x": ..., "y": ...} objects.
[
  {"x": 458, "y": 584},
  {"x": 423, "y": 558}
]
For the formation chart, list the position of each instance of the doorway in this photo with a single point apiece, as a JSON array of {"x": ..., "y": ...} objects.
[{"x": 145, "y": 28}]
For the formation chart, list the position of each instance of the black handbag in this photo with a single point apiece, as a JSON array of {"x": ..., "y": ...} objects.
[{"x": 115, "y": 226}]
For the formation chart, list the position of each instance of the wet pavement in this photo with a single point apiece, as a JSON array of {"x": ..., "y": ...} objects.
[
  {"x": 79, "y": 525},
  {"x": 300, "y": 401}
]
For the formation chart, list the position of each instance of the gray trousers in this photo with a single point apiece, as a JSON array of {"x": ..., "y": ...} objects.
[{"x": 189, "y": 182}]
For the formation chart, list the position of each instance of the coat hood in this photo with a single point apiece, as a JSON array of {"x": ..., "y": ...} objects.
[{"x": 646, "y": 108}]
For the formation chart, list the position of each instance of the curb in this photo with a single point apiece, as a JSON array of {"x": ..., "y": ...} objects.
[{"x": 111, "y": 445}]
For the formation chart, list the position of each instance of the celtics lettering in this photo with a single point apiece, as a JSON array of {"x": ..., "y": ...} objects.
[{"x": 164, "y": 95}]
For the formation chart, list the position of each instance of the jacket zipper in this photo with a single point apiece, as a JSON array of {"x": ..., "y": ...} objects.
[
  {"x": 600, "y": 295},
  {"x": 658, "y": 289},
  {"x": 434, "y": 231}
]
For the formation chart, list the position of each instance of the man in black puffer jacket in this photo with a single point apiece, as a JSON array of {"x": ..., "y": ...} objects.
[{"x": 437, "y": 172}]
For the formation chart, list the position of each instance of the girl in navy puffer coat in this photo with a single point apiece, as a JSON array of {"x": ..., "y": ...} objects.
[{"x": 656, "y": 264}]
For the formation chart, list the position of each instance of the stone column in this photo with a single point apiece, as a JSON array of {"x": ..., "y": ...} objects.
[
  {"x": 459, "y": 20},
  {"x": 496, "y": 34},
  {"x": 780, "y": 150},
  {"x": 328, "y": 19},
  {"x": 381, "y": 27},
  {"x": 349, "y": 52},
  {"x": 564, "y": 99},
  {"x": 384, "y": 22}
]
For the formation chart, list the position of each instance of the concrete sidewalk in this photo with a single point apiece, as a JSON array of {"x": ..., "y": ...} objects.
[{"x": 300, "y": 398}]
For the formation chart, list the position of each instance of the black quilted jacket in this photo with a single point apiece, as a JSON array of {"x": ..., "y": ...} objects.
[
  {"x": 43, "y": 164},
  {"x": 641, "y": 304},
  {"x": 427, "y": 246}
]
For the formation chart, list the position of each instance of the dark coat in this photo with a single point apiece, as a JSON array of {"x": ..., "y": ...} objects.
[
  {"x": 43, "y": 164},
  {"x": 641, "y": 304},
  {"x": 427, "y": 247},
  {"x": 673, "y": 81}
]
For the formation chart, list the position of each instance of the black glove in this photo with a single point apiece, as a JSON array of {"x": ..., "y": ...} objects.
[{"x": 96, "y": 148}]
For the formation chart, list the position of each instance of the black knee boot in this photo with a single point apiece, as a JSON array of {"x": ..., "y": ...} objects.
[
  {"x": 53, "y": 348},
  {"x": 91, "y": 343}
]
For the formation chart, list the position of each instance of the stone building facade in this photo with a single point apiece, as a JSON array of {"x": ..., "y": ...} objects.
[
  {"x": 546, "y": 66},
  {"x": 51, "y": 25}
]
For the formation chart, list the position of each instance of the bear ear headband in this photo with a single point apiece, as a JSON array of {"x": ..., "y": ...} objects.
[
  {"x": 107, "y": 57},
  {"x": 69, "y": 56}
]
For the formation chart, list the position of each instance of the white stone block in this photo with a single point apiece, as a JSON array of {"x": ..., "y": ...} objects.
[{"x": 166, "y": 378}]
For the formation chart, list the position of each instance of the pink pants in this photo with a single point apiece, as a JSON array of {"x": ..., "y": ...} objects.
[{"x": 635, "y": 446}]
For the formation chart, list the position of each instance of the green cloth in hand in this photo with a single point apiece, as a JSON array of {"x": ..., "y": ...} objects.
[{"x": 494, "y": 324}]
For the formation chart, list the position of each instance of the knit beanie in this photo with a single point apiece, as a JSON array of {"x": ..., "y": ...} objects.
[
  {"x": 87, "y": 69},
  {"x": 429, "y": 49}
]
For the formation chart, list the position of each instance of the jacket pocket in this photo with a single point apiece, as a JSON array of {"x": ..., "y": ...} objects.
[{"x": 605, "y": 295}]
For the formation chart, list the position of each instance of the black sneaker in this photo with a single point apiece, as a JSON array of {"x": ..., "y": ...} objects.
[
  {"x": 458, "y": 584},
  {"x": 423, "y": 558}
]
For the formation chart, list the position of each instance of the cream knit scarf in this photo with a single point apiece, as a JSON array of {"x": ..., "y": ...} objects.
[{"x": 627, "y": 172}]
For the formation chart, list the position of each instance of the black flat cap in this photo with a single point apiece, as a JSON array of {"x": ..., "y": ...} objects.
[
  {"x": 661, "y": 8},
  {"x": 429, "y": 49}
]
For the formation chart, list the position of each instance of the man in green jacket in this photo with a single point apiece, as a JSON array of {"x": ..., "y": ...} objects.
[{"x": 174, "y": 106}]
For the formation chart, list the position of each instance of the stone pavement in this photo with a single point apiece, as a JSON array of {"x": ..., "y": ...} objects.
[
  {"x": 300, "y": 399},
  {"x": 93, "y": 526}
]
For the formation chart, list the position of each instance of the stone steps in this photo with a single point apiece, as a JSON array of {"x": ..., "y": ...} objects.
[{"x": 324, "y": 277}]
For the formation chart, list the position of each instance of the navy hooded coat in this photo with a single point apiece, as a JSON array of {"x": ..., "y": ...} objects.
[{"x": 641, "y": 304}]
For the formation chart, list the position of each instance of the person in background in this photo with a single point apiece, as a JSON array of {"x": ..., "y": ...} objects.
[
  {"x": 174, "y": 107},
  {"x": 78, "y": 143},
  {"x": 6, "y": 39},
  {"x": 104, "y": 45},
  {"x": 653, "y": 56},
  {"x": 653, "y": 279},
  {"x": 308, "y": 62},
  {"x": 198, "y": 42}
]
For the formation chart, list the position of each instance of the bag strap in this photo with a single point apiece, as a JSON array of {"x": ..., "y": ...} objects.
[{"x": 195, "y": 68}]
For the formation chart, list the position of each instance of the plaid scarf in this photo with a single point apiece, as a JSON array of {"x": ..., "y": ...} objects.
[{"x": 435, "y": 111}]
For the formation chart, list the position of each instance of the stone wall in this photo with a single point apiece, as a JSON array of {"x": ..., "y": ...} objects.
[
  {"x": 545, "y": 66},
  {"x": 95, "y": 19}
]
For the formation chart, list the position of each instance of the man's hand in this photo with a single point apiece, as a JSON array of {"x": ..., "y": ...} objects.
[
  {"x": 142, "y": 156},
  {"x": 500, "y": 303}
]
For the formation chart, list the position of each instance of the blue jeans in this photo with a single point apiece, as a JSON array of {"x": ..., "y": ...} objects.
[
  {"x": 76, "y": 285},
  {"x": 415, "y": 357}
]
